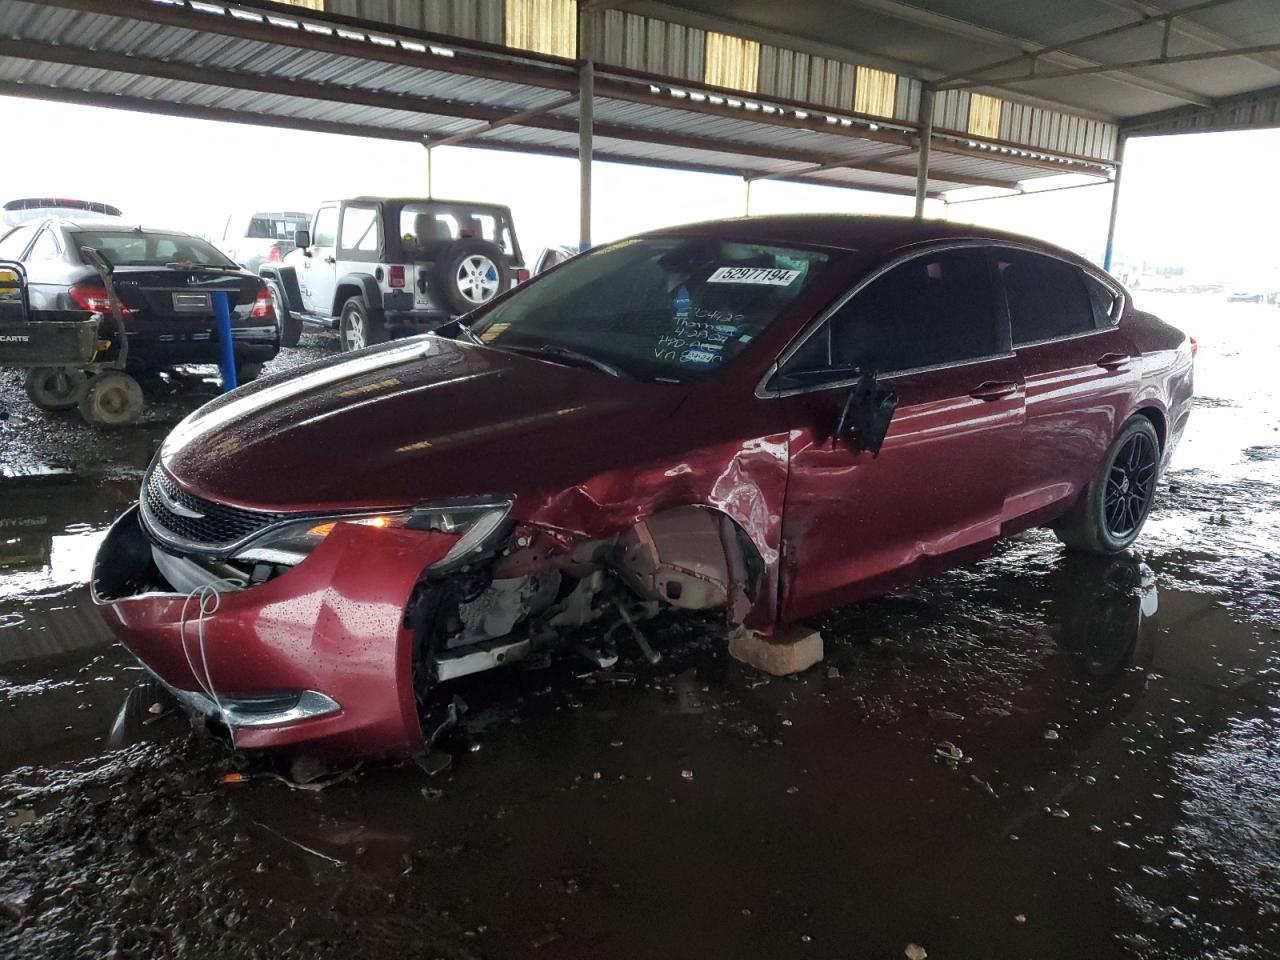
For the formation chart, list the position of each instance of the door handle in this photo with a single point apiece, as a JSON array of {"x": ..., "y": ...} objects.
[
  {"x": 1114, "y": 361},
  {"x": 994, "y": 390},
  {"x": 330, "y": 260}
]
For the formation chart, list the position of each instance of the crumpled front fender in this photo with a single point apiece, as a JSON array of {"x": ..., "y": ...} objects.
[{"x": 333, "y": 624}]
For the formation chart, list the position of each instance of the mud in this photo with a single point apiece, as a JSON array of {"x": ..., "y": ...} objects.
[{"x": 1040, "y": 755}]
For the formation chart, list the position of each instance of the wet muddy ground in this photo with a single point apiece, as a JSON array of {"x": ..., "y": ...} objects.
[{"x": 1039, "y": 756}]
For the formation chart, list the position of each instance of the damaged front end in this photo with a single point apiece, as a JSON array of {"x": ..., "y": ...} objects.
[
  {"x": 338, "y": 632},
  {"x": 318, "y": 653},
  {"x": 541, "y": 588}
]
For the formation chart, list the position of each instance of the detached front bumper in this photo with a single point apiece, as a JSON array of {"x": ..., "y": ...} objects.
[{"x": 319, "y": 655}]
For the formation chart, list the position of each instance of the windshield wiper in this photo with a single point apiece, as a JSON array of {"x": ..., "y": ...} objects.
[
  {"x": 562, "y": 353},
  {"x": 570, "y": 354},
  {"x": 466, "y": 332}
]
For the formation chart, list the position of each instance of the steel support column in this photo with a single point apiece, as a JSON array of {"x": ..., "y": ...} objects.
[
  {"x": 430, "y": 180},
  {"x": 586, "y": 94},
  {"x": 926, "y": 135},
  {"x": 1115, "y": 204}
]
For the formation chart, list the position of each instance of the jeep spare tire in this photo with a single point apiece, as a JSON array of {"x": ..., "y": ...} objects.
[{"x": 470, "y": 273}]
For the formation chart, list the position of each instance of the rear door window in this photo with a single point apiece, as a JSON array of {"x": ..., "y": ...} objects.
[
  {"x": 1106, "y": 302},
  {"x": 934, "y": 309},
  {"x": 1047, "y": 296},
  {"x": 46, "y": 247}
]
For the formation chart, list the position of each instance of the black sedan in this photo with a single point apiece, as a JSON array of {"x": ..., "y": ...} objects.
[{"x": 163, "y": 280}]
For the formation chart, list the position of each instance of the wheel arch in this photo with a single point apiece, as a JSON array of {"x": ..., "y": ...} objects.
[
  {"x": 1159, "y": 420},
  {"x": 361, "y": 285},
  {"x": 286, "y": 278}
]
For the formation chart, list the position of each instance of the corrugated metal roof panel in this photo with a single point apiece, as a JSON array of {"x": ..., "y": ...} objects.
[{"x": 251, "y": 77}]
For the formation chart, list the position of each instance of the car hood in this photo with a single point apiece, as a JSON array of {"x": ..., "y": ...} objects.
[{"x": 411, "y": 421}]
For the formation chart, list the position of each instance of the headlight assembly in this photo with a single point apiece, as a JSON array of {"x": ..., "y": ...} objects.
[{"x": 476, "y": 521}]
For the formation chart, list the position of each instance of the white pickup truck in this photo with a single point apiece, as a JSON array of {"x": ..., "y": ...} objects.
[{"x": 373, "y": 268}]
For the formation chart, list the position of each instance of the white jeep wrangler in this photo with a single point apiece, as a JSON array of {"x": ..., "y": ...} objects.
[{"x": 373, "y": 268}]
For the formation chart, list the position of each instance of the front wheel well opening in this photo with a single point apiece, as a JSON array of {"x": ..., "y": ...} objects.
[{"x": 1158, "y": 421}]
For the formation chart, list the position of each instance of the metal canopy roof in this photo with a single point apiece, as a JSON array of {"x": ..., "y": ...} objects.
[
  {"x": 1112, "y": 59},
  {"x": 260, "y": 62}
]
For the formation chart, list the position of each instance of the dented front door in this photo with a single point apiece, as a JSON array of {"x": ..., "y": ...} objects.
[{"x": 854, "y": 525}]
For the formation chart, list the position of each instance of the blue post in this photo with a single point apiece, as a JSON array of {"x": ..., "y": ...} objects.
[{"x": 226, "y": 354}]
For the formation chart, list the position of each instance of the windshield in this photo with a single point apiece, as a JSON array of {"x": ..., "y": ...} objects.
[
  {"x": 137, "y": 249},
  {"x": 657, "y": 308}
]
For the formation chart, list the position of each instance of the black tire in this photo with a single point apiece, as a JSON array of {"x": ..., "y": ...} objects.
[
  {"x": 246, "y": 372},
  {"x": 56, "y": 388},
  {"x": 1109, "y": 515},
  {"x": 290, "y": 326},
  {"x": 360, "y": 327},
  {"x": 469, "y": 274},
  {"x": 112, "y": 400}
]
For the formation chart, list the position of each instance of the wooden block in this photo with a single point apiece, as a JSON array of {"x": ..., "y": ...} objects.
[{"x": 792, "y": 650}]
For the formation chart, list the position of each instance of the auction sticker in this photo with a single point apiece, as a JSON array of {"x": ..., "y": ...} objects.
[{"x": 763, "y": 276}]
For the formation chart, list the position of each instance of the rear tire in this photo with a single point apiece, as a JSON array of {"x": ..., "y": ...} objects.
[
  {"x": 112, "y": 400},
  {"x": 359, "y": 327},
  {"x": 289, "y": 325},
  {"x": 1109, "y": 515},
  {"x": 247, "y": 372},
  {"x": 56, "y": 388}
]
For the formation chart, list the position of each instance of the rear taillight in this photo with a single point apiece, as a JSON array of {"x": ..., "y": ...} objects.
[
  {"x": 1194, "y": 347},
  {"x": 276, "y": 252},
  {"x": 395, "y": 276},
  {"x": 263, "y": 308},
  {"x": 522, "y": 275},
  {"x": 91, "y": 295}
]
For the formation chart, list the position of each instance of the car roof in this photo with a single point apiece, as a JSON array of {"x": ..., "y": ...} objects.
[
  {"x": 435, "y": 200},
  {"x": 854, "y": 232},
  {"x": 115, "y": 226}
]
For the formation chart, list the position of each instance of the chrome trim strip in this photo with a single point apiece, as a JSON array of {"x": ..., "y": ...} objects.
[
  {"x": 219, "y": 551},
  {"x": 1063, "y": 339},
  {"x": 311, "y": 705}
]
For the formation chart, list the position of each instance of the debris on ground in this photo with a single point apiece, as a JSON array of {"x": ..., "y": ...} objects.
[{"x": 949, "y": 751}]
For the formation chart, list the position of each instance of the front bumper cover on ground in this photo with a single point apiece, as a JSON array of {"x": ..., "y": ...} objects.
[{"x": 332, "y": 627}]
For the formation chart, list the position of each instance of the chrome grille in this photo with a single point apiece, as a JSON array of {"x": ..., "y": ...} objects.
[{"x": 218, "y": 525}]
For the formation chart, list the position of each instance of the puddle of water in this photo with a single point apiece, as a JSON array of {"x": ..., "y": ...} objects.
[{"x": 1114, "y": 792}]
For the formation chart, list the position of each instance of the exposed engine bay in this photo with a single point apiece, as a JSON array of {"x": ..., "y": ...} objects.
[{"x": 542, "y": 588}]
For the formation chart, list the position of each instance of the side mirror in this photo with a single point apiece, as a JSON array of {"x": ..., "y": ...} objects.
[
  {"x": 302, "y": 239},
  {"x": 866, "y": 413}
]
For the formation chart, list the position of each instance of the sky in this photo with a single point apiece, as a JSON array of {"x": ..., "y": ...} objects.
[{"x": 1203, "y": 201}]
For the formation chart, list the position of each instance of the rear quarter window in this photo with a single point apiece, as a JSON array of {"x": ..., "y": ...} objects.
[{"x": 1047, "y": 297}]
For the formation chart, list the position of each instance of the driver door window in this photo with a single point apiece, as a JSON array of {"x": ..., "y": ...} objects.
[{"x": 932, "y": 310}]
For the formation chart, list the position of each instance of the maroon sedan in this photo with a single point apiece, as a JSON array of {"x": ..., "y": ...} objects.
[{"x": 745, "y": 422}]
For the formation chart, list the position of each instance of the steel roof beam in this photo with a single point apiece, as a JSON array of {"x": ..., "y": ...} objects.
[
  {"x": 521, "y": 117},
  {"x": 1104, "y": 68},
  {"x": 965, "y": 30},
  {"x": 1190, "y": 29},
  {"x": 510, "y": 67},
  {"x": 1165, "y": 18},
  {"x": 537, "y": 117},
  {"x": 226, "y": 115}
]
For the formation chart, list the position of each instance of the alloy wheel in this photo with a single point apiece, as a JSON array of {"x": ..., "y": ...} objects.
[
  {"x": 1131, "y": 483},
  {"x": 353, "y": 332},
  {"x": 477, "y": 278}
]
